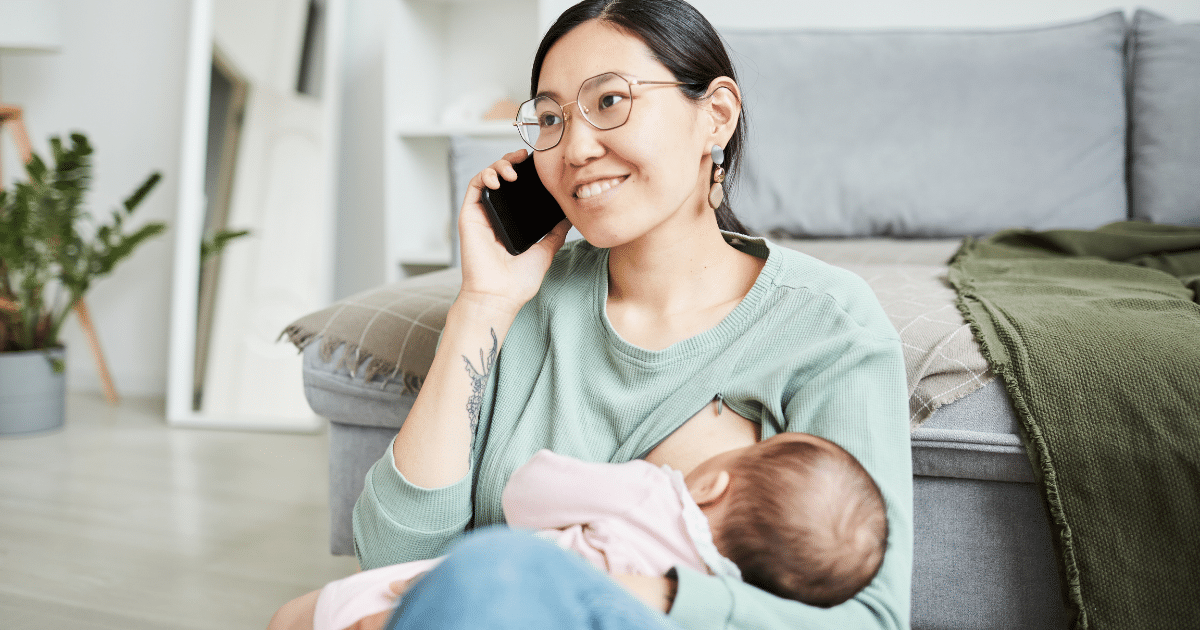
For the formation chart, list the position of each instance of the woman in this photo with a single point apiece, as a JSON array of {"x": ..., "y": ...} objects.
[{"x": 666, "y": 335}]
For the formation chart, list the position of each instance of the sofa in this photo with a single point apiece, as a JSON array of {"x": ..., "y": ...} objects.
[{"x": 878, "y": 152}]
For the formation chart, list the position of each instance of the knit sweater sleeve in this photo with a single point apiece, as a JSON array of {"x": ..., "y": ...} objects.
[
  {"x": 396, "y": 521},
  {"x": 859, "y": 401}
]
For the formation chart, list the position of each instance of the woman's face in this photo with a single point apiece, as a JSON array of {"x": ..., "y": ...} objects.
[{"x": 648, "y": 173}]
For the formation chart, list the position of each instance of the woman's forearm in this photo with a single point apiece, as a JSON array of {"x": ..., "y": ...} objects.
[{"x": 433, "y": 447}]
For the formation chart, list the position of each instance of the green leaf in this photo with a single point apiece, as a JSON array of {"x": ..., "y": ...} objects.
[
  {"x": 140, "y": 194},
  {"x": 214, "y": 245},
  {"x": 48, "y": 239}
]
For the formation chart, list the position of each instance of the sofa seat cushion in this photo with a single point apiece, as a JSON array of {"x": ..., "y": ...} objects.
[
  {"x": 975, "y": 437},
  {"x": 964, "y": 426},
  {"x": 943, "y": 361}
]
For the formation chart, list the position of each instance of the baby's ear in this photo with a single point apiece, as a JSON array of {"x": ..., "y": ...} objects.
[{"x": 709, "y": 487}]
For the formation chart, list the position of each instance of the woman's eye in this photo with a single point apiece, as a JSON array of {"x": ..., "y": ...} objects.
[
  {"x": 548, "y": 120},
  {"x": 608, "y": 100}
]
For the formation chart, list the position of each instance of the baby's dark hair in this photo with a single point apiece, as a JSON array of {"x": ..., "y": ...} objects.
[{"x": 806, "y": 521}]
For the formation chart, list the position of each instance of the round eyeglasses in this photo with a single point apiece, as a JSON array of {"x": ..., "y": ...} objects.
[{"x": 604, "y": 100}]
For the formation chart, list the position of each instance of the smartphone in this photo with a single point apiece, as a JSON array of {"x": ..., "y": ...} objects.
[{"x": 521, "y": 212}]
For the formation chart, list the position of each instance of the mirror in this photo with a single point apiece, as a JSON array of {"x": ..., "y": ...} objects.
[{"x": 259, "y": 150}]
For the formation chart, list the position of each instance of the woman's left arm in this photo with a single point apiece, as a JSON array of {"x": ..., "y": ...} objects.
[{"x": 858, "y": 400}]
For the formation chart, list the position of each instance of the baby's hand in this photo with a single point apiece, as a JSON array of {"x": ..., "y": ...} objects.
[{"x": 400, "y": 587}]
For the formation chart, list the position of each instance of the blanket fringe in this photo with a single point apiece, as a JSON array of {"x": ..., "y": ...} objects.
[{"x": 1039, "y": 452}]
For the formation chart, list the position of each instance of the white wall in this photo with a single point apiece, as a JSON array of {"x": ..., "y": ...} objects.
[
  {"x": 360, "y": 247},
  {"x": 119, "y": 79},
  {"x": 907, "y": 13}
]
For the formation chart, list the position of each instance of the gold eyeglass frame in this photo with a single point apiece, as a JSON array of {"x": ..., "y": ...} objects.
[{"x": 566, "y": 115}]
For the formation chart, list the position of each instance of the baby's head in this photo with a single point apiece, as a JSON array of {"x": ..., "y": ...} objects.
[{"x": 797, "y": 514}]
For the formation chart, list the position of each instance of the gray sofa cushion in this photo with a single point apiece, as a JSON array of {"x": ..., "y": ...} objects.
[
  {"x": 353, "y": 449},
  {"x": 468, "y": 156},
  {"x": 974, "y": 437},
  {"x": 936, "y": 133},
  {"x": 1165, "y": 120},
  {"x": 382, "y": 341}
]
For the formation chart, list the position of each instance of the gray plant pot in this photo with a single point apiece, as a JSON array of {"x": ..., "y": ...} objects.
[{"x": 32, "y": 395}]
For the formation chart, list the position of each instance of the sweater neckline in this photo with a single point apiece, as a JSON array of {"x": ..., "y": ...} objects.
[{"x": 727, "y": 329}]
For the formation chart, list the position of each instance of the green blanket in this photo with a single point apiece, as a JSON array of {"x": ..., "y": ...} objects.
[{"x": 1096, "y": 335}]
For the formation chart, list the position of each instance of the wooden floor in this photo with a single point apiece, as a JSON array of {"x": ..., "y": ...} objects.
[{"x": 119, "y": 522}]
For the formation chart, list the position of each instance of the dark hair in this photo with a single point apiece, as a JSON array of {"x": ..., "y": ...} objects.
[
  {"x": 807, "y": 522},
  {"x": 682, "y": 40}
]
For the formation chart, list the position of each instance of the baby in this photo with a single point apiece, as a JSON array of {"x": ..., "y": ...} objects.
[{"x": 794, "y": 515}]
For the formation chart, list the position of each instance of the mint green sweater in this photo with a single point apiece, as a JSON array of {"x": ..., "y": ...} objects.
[{"x": 808, "y": 349}]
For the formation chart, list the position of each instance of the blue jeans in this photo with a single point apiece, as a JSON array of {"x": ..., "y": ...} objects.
[{"x": 507, "y": 579}]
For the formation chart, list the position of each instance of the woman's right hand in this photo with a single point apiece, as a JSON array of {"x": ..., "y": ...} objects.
[
  {"x": 433, "y": 447},
  {"x": 491, "y": 275}
]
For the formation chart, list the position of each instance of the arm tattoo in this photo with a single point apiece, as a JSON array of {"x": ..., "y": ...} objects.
[{"x": 479, "y": 380}]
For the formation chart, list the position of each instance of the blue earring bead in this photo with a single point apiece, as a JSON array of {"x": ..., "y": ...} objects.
[{"x": 718, "y": 155}]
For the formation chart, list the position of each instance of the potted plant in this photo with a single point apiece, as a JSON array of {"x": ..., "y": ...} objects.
[{"x": 50, "y": 252}]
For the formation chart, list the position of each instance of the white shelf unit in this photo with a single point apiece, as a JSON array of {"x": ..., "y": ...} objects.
[{"x": 437, "y": 51}]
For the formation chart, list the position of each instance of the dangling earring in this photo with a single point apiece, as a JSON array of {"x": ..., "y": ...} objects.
[{"x": 716, "y": 194}]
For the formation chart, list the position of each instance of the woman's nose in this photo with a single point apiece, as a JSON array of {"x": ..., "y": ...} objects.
[{"x": 579, "y": 140}]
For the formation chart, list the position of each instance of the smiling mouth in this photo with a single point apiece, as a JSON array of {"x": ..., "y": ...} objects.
[{"x": 595, "y": 188}]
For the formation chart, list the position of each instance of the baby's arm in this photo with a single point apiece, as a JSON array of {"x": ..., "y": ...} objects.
[
  {"x": 352, "y": 600},
  {"x": 296, "y": 614},
  {"x": 376, "y": 621},
  {"x": 553, "y": 491}
]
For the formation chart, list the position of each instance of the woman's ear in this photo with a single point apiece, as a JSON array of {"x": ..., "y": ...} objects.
[
  {"x": 709, "y": 487},
  {"x": 724, "y": 107}
]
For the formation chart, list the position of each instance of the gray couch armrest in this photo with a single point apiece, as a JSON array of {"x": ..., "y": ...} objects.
[
  {"x": 336, "y": 394},
  {"x": 363, "y": 418},
  {"x": 365, "y": 358}
]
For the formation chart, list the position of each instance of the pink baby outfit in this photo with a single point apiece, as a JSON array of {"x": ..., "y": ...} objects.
[{"x": 624, "y": 518}]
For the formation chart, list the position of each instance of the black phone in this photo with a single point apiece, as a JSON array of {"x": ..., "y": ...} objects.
[{"x": 521, "y": 212}]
